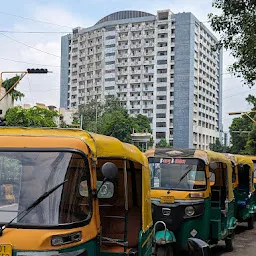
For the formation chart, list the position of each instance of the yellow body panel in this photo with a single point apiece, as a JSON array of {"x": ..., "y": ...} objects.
[{"x": 240, "y": 159}]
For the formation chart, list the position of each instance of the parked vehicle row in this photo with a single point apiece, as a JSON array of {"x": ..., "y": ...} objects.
[
  {"x": 198, "y": 197},
  {"x": 70, "y": 192}
]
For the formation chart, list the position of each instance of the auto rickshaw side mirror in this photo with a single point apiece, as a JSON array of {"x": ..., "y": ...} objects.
[{"x": 109, "y": 171}]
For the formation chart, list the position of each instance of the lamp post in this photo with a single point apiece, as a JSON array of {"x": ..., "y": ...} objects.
[{"x": 244, "y": 113}]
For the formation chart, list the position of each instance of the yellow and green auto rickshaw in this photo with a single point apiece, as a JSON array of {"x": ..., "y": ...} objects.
[
  {"x": 76, "y": 194},
  {"x": 254, "y": 163},
  {"x": 192, "y": 199},
  {"x": 244, "y": 192}
]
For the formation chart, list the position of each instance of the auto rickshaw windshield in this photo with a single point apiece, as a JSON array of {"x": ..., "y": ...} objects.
[
  {"x": 25, "y": 176},
  {"x": 177, "y": 174}
]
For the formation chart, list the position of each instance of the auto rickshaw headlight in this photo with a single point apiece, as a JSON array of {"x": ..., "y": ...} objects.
[
  {"x": 66, "y": 239},
  {"x": 190, "y": 211}
]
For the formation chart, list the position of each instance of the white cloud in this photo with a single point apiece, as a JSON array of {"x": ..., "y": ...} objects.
[{"x": 38, "y": 88}]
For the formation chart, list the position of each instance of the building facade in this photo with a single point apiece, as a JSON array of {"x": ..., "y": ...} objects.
[{"x": 161, "y": 66}]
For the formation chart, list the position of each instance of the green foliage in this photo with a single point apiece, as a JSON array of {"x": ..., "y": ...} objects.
[
  {"x": 117, "y": 124},
  {"x": 8, "y": 83},
  {"x": 111, "y": 118},
  {"x": 236, "y": 25},
  {"x": 251, "y": 142},
  {"x": 163, "y": 143},
  {"x": 240, "y": 140},
  {"x": 218, "y": 147},
  {"x": 32, "y": 117},
  {"x": 141, "y": 124}
]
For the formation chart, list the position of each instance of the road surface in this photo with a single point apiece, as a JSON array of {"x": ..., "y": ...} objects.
[{"x": 245, "y": 243}]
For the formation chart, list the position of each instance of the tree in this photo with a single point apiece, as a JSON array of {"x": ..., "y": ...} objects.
[
  {"x": 117, "y": 124},
  {"x": 251, "y": 142},
  {"x": 236, "y": 25},
  {"x": 111, "y": 118},
  {"x": 218, "y": 147},
  {"x": 8, "y": 83},
  {"x": 32, "y": 117},
  {"x": 141, "y": 123},
  {"x": 241, "y": 129},
  {"x": 163, "y": 143}
]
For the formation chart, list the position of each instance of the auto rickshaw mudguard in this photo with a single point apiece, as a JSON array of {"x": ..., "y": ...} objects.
[
  {"x": 232, "y": 225},
  {"x": 198, "y": 247},
  {"x": 162, "y": 237}
]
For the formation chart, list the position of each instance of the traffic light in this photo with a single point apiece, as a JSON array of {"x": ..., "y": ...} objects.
[
  {"x": 2, "y": 121},
  {"x": 37, "y": 71}
]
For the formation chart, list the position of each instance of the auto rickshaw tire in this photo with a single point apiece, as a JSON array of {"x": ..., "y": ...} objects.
[
  {"x": 251, "y": 222},
  {"x": 164, "y": 251},
  {"x": 230, "y": 243}
]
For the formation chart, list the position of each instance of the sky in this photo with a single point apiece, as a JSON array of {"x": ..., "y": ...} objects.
[{"x": 19, "y": 51}]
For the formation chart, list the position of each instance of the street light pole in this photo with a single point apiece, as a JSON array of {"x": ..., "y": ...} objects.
[{"x": 244, "y": 113}]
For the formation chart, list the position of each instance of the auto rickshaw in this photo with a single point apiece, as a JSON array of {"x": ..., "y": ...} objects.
[
  {"x": 192, "y": 199},
  {"x": 244, "y": 192},
  {"x": 76, "y": 194},
  {"x": 254, "y": 163}
]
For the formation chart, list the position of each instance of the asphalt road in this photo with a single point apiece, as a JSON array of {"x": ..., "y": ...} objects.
[{"x": 245, "y": 243}]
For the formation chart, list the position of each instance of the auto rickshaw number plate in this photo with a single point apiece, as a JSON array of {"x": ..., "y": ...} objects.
[
  {"x": 167, "y": 199},
  {"x": 5, "y": 250}
]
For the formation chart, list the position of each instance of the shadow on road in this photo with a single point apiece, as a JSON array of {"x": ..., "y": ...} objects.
[{"x": 220, "y": 248}]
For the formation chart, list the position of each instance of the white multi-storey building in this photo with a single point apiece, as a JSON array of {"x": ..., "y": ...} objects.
[{"x": 161, "y": 66}]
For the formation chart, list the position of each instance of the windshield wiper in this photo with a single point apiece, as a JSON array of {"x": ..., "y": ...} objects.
[
  {"x": 181, "y": 178},
  {"x": 32, "y": 206}
]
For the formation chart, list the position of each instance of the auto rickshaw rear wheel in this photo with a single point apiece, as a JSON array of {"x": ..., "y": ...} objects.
[
  {"x": 230, "y": 243},
  {"x": 251, "y": 222},
  {"x": 164, "y": 251}
]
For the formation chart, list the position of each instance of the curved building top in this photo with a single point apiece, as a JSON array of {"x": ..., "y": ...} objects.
[{"x": 123, "y": 15}]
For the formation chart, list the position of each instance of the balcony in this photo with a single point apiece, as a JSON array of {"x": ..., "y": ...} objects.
[
  {"x": 150, "y": 97},
  {"x": 161, "y": 57},
  {"x": 136, "y": 80},
  {"x": 149, "y": 36},
  {"x": 146, "y": 45},
  {"x": 135, "y": 63},
  {"x": 121, "y": 64},
  {"x": 149, "y": 71},
  {"x": 121, "y": 47},
  {"x": 134, "y": 46},
  {"x": 148, "y": 106},
  {"x": 123, "y": 38},
  {"x": 151, "y": 53},
  {"x": 136, "y": 98},
  {"x": 121, "y": 81},
  {"x": 146, "y": 80},
  {"x": 148, "y": 62},
  {"x": 162, "y": 48},
  {"x": 161, "y": 75},
  {"x": 136, "y": 72}
]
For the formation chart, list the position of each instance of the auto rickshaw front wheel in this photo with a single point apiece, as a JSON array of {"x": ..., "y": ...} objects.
[
  {"x": 251, "y": 222},
  {"x": 166, "y": 250},
  {"x": 230, "y": 243}
]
